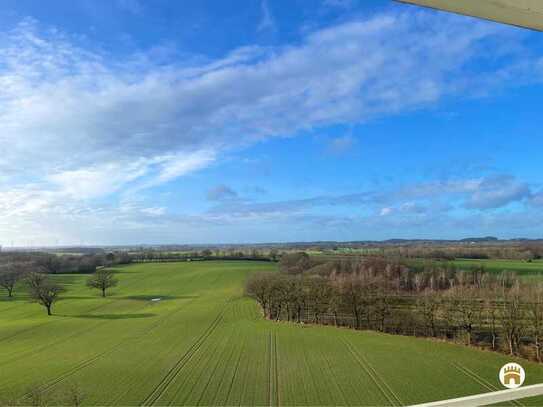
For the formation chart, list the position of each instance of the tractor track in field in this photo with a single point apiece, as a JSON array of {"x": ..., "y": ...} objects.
[
  {"x": 201, "y": 360},
  {"x": 49, "y": 322},
  {"x": 83, "y": 331},
  {"x": 12, "y": 307},
  {"x": 172, "y": 374},
  {"x": 273, "y": 373},
  {"x": 59, "y": 379},
  {"x": 340, "y": 389},
  {"x": 61, "y": 340},
  {"x": 146, "y": 332},
  {"x": 376, "y": 373},
  {"x": 376, "y": 379},
  {"x": 112, "y": 301},
  {"x": 87, "y": 362},
  {"x": 236, "y": 368},
  {"x": 211, "y": 375},
  {"x": 276, "y": 369},
  {"x": 225, "y": 350},
  {"x": 474, "y": 376}
]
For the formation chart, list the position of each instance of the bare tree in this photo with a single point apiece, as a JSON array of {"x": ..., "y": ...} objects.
[
  {"x": 258, "y": 287},
  {"x": 468, "y": 309},
  {"x": 511, "y": 316},
  {"x": 352, "y": 292},
  {"x": 535, "y": 315},
  {"x": 102, "y": 279},
  {"x": 428, "y": 305},
  {"x": 11, "y": 274},
  {"x": 491, "y": 315},
  {"x": 43, "y": 290}
]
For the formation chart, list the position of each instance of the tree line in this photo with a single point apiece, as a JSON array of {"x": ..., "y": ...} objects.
[
  {"x": 62, "y": 264},
  {"x": 474, "y": 307},
  {"x": 205, "y": 254}
]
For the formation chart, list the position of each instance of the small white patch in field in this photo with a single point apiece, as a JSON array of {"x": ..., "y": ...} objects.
[{"x": 156, "y": 299}]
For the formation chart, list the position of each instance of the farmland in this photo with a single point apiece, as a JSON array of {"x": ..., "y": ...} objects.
[
  {"x": 524, "y": 268},
  {"x": 204, "y": 343}
]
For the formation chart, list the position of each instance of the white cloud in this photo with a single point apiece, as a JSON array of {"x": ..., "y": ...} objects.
[
  {"x": 498, "y": 191},
  {"x": 181, "y": 164},
  {"x": 154, "y": 211},
  {"x": 78, "y": 124},
  {"x": 385, "y": 211},
  {"x": 88, "y": 183},
  {"x": 67, "y": 107}
]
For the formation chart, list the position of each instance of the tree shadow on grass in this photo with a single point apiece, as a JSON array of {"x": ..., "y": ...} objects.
[
  {"x": 79, "y": 297},
  {"x": 111, "y": 316},
  {"x": 149, "y": 297}
]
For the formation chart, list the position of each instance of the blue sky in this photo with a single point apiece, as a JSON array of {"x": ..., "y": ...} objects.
[{"x": 128, "y": 122}]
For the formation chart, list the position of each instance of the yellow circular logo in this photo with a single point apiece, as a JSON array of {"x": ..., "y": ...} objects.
[{"x": 512, "y": 375}]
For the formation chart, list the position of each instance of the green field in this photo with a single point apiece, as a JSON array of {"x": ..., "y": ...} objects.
[
  {"x": 205, "y": 344},
  {"x": 521, "y": 267}
]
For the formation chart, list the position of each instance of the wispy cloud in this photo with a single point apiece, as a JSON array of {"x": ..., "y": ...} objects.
[
  {"x": 87, "y": 124},
  {"x": 267, "y": 22}
]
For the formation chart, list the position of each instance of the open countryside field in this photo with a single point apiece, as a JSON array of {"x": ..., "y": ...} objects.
[
  {"x": 205, "y": 344},
  {"x": 521, "y": 267}
]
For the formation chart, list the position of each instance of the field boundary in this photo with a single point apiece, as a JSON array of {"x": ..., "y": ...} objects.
[{"x": 273, "y": 372}]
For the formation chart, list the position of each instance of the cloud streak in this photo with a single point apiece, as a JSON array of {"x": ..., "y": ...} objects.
[{"x": 88, "y": 125}]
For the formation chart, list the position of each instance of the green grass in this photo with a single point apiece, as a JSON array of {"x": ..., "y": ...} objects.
[
  {"x": 519, "y": 266},
  {"x": 206, "y": 344},
  {"x": 524, "y": 269}
]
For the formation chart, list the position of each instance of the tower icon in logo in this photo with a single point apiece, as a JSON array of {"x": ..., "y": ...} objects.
[{"x": 512, "y": 375}]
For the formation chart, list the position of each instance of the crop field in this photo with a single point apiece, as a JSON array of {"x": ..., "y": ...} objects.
[
  {"x": 524, "y": 269},
  {"x": 521, "y": 267},
  {"x": 203, "y": 343}
]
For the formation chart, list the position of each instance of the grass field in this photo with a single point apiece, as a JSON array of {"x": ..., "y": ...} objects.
[
  {"x": 519, "y": 266},
  {"x": 204, "y": 344},
  {"x": 524, "y": 269}
]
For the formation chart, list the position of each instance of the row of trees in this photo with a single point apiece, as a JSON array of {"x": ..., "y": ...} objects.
[
  {"x": 474, "y": 307},
  {"x": 43, "y": 289},
  {"x": 205, "y": 254},
  {"x": 468, "y": 250},
  {"x": 57, "y": 264}
]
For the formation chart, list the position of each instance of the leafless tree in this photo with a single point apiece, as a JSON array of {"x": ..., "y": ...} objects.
[
  {"x": 468, "y": 309},
  {"x": 428, "y": 305},
  {"x": 102, "y": 279},
  {"x": 43, "y": 290},
  {"x": 535, "y": 316},
  {"x": 491, "y": 314},
  {"x": 11, "y": 274},
  {"x": 511, "y": 317}
]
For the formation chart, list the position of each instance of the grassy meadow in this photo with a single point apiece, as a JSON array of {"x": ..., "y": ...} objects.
[
  {"x": 206, "y": 344},
  {"x": 521, "y": 267}
]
